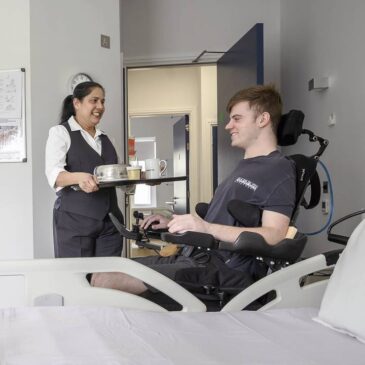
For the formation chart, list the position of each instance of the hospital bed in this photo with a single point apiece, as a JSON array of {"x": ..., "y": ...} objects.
[{"x": 282, "y": 332}]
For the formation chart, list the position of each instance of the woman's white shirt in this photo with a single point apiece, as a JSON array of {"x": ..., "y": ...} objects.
[{"x": 58, "y": 144}]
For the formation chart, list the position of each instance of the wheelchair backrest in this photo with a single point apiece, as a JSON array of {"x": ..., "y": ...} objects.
[
  {"x": 289, "y": 130},
  {"x": 306, "y": 173}
]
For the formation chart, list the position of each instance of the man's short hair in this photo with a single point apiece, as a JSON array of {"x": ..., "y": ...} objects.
[{"x": 261, "y": 98}]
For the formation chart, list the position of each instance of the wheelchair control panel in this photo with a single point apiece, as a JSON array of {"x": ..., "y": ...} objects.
[{"x": 140, "y": 236}]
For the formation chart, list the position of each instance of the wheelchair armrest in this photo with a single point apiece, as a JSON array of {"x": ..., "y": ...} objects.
[
  {"x": 155, "y": 233},
  {"x": 247, "y": 243},
  {"x": 190, "y": 238},
  {"x": 253, "y": 244}
]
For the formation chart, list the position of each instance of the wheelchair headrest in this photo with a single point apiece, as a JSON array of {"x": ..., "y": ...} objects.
[{"x": 290, "y": 127}]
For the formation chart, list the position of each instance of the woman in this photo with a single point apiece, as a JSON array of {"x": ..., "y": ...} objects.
[{"x": 81, "y": 225}]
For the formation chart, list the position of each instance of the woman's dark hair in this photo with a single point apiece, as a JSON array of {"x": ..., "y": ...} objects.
[{"x": 81, "y": 90}]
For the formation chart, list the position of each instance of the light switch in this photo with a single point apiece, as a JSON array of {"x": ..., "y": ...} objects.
[{"x": 105, "y": 41}]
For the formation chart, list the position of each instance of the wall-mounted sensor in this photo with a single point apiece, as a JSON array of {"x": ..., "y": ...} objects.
[
  {"x": 325, "y": 187},
  {"x": 318, "y": 83},
  {"x": 325, "y": 206},
  {"x": 332, "y": 119}
]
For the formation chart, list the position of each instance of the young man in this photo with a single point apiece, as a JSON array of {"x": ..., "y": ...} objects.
[{"x": 264, "y": 177}]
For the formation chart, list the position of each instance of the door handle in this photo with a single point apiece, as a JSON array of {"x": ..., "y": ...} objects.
[{"x": 172, "y": 202}]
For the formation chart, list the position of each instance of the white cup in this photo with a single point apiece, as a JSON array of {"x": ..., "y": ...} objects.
[{"x": 155, "y": 168}]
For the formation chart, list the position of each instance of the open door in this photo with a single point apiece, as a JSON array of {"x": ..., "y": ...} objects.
[
  {"x": 240, "y": 67},
  {"x": 180, "y": 200}
]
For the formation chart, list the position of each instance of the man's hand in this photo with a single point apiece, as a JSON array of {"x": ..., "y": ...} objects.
[
  {"x": 87, "y": 182},
  {"x": 158, "y": 220},
  {"x": 187, "y": 222}
]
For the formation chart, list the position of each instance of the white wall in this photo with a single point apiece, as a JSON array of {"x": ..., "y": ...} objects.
[
  {"x": 161, "y": 31},
  {"x": 16, "y": 219},
  {"x": 53, "y": 41},
  {"x": 325, "y": 38},
  {"x": 65, "y": 39}
]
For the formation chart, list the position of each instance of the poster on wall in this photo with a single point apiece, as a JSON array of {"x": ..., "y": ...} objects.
[{"x": 12, "y": 116}]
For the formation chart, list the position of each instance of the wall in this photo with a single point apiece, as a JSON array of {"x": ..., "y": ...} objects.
[
  {"x": 16, "y": 217},
  {"x": 325, "y": 39},
  {"x": 53, "y": 41},
  {"x": 170, "y": 31},
  {"x": 65, "y": 42}
]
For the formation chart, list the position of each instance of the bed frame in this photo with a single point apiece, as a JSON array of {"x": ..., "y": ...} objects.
[
  {"x": 288, "y": 285},
  {"x": 62, "y": 282}
]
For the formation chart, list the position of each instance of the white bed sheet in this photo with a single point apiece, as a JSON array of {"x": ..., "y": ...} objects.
[{"x": 75, "y": 335}]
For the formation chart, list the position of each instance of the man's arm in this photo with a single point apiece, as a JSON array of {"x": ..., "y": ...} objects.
[{"x": 274, "y": 227}]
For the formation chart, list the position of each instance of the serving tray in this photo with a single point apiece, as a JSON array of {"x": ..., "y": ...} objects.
[{"x": 123, "y": 182}]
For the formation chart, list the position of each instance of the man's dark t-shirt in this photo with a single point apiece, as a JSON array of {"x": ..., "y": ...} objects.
[{"x": 265, "y": 181}]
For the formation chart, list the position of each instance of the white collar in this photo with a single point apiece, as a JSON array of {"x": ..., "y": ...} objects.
[{"x": 74, "y": 126}]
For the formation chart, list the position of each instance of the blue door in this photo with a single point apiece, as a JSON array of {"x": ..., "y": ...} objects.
[{"x": 240, "y": 67}]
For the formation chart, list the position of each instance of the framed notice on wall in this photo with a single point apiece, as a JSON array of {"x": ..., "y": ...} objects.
[{"x": 12, "y": 116}]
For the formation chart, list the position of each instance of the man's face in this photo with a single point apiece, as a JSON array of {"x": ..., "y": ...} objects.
[{"x": 243, "y": 125}]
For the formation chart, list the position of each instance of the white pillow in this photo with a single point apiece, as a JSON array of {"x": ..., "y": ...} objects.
[{"x": 343, "y": 303}]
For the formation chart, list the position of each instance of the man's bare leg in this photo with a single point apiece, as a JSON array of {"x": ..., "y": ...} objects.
[{"x": 118, "y": 280}]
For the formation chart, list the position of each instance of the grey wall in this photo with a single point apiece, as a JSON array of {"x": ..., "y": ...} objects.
[
  {"x": 54, "y": 40},
  {"x": 302, "y": 40},
  {"x": 169, "y": 31},
  {"x": 325, "y": 38}
]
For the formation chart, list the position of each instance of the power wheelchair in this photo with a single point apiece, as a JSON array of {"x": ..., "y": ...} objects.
[{"x": 272, "y": 258}]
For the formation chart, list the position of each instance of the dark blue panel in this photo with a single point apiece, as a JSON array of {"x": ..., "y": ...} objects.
[
  {"x": 241, "y": 66},
  {"x": 214, "y": 155}
]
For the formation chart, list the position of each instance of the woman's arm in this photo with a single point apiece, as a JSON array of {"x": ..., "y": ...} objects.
[{"x": 57, "y": 146}]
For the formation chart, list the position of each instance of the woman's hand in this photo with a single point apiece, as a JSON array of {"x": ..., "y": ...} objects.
[
  {"x": 87, "y": 182},
  {"x": 158, "y": 220}
]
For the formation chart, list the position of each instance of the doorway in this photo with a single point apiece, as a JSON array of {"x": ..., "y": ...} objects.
[
  {"x": 179, "y": 90},
  {"x": 193, "y": 90}
]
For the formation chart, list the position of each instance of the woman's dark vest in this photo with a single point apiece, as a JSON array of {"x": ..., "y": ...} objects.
[{"x": 83, "y": 158}]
